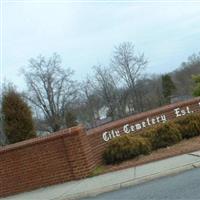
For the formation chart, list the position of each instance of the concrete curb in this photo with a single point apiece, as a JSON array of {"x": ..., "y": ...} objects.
[{"x": 129, "y": 183}]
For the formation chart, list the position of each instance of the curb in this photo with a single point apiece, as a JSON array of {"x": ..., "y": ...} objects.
[{"x": 129, "y": 183}]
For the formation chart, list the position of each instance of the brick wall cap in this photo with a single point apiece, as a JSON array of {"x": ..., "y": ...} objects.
[
  {"x": 137, "y": 117},
  {"x": 59, "y": 134}
]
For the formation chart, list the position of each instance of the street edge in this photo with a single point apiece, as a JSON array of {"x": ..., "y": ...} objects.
[{"x": 129, "y": 183}]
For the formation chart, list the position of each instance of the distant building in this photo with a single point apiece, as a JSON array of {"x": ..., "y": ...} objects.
[
  {"x": 102, "y": 113},
  {"x": 40, "y": 133},
  {"x": 100, "y": 122}
]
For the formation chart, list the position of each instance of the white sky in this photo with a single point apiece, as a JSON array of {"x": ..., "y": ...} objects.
[{"x": 84, "y": 34}]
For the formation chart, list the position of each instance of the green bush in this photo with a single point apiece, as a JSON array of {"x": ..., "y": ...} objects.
[
  {"x": 189, "y": 125},
  {"x": 18, "y": 122},
  {"x": 163, "y": 135},
  {"x": 159, "y": 136},
  {"x": 126, "y": 147}
]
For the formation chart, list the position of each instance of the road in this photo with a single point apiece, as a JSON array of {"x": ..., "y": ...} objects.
[{"x": 184, "y": 186}]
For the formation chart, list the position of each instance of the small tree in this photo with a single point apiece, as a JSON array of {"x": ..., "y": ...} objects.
[
  {"x": 196, "y": 89},
  {"x": 18, "y": 122},
  {"x": 70, "y": 119},
  {"x": 168, "y": 87}
]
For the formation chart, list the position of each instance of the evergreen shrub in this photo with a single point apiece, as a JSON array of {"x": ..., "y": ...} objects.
[
  {"x": 18, "y": 122},
  {"x": 126, "y": 147},
  {"x": 163, "y": 135},
  {"x": 189, "y": 125}
]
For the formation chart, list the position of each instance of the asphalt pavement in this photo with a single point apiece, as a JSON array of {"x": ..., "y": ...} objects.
[{"x": 184, "y": 186}]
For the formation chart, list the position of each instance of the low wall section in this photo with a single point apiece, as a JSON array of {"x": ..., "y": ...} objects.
[
  {"x": 95, "y": 135},
  {"x": 69, "y": 154},
  {"x": 63, "y": 156}
]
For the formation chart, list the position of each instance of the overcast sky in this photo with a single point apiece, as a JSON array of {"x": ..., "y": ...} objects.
[{"x": 84, "y": 34}]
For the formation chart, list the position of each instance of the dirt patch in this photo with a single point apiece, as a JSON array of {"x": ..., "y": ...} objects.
[{"x": 185, "y": 146}]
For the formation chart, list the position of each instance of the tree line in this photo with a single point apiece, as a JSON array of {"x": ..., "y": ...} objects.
[{"x": 54, "y": 100}]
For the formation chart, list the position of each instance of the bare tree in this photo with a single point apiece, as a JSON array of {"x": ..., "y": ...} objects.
[
  {"x": 91, "y": 103},
  {"x": 107, "y": 87},
  {"x": 182, "y": 75},
  {"x": 50, "y": 88},
  {"x": 149, "y": 89},
  {"x": 129, "y": 67}
]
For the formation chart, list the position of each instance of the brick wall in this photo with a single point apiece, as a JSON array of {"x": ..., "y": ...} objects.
[
  {"x": 66, "y": 155},
  {"x": 60, "y": 157}
]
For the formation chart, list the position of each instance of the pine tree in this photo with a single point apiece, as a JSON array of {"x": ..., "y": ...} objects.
[
  {"x": 196, "y": 89},
  {"x": 18, "y": 122},
  {"x": 168, "y": 87}
]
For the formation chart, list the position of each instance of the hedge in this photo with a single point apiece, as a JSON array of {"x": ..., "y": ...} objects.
[
  {"x": 159, "y": 136},
  {"x": 163, "y": 135},
  {"x": 126, "y": 147},
  {"x": 189, "y": 125}
]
